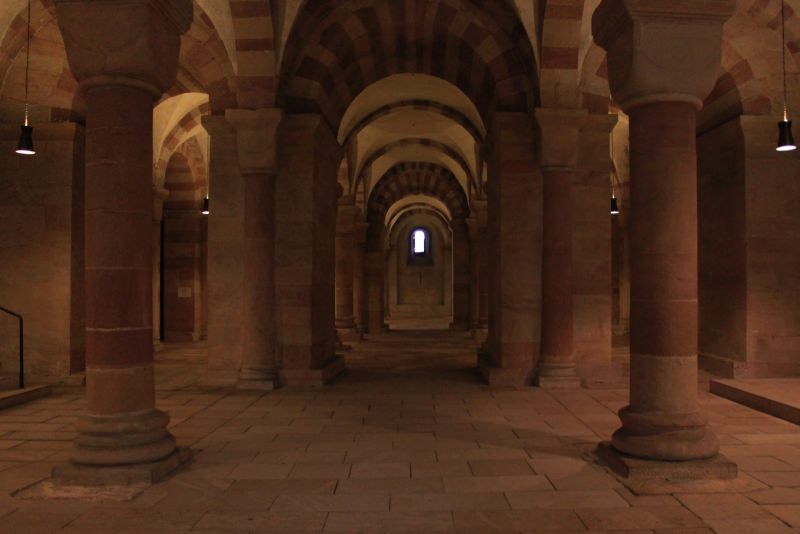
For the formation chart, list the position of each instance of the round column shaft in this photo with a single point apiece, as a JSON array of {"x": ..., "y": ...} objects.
[
  {"x": 258, "y": 318},
  {"x": 122, "y": 425},
  {"x": 662, "y": 421},
  {"x": 557, "y": 360}
]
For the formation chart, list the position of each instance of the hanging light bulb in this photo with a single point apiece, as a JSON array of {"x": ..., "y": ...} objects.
[
  {"x": 785, "y": 138},
  {"x": 25, "y": 145},
  {"x": 614, "y": 205},
  {"x": 205, "y": 210}
]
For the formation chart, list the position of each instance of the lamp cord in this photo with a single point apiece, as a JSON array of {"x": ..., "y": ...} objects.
[
  {"x": 783, "y": 59},
  {"x": 27, "y": 62}
]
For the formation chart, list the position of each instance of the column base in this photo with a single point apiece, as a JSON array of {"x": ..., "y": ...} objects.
[
  {"x": 348, "y": 335},
  {"x": 666, "y": 437},
  {"x": 502, "y": 376},
  {"x": 253, "y": 378},
  {"x": 715, "y": 468},
  {"x": 137, "y": 438},
  {"x": 74, "y": 474},
  {"x": 313, "y": 377},
  {"x": 480, "y": 333},
  {"x": 557, "y": 376}
]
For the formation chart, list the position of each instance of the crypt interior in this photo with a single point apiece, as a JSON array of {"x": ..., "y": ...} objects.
[{"x": 349, "y": 266}]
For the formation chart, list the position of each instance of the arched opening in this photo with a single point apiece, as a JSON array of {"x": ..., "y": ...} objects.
[
  {"x": 409, "y": 108},
  {"x": 182, "y": 294}
]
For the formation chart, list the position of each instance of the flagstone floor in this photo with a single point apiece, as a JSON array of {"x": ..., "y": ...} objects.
[{"x": 408, "y": 440}]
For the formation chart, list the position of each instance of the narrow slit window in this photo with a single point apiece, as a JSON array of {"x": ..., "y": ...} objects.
[{"x": 420, "y": 242}]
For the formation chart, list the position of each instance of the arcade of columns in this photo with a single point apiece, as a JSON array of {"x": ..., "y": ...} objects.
[{"x": 515, "y": 268}]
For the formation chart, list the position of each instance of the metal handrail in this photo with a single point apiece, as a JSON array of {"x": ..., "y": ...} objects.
[{"x": 21, "y": 346}]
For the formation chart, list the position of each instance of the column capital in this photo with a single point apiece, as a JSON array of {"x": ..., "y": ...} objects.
[
  {"x": 256, "y": 138},
  {"x": 132, "y": 43},
  {"x": 661, "y": 50},
  {"x": 560, "y": 130}
]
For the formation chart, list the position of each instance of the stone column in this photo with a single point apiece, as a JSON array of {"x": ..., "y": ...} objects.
[
  {"x": 256, "y": 142},
  {"x": 225, "y": 254},
  {"x": 481, "y": 328},
  {"x": 663, "y": 59},
  {"x": 560, "y": 129},
  {"x": 306, "y": 252},
  {"x": 474, "y": 272},
  {"x": 122, "y": 74},
  {"x": 515, "y": 238},
  {"x": 346, "y": 217},
  {"x": 359, "y": 282},
  {"x": 374, "y": 267},
  {"x": 461, "y": 274},
  {"x": 159, "y": 194}
]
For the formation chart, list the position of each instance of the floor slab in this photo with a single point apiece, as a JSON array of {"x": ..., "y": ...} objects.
[{"x": 408, "y": 439}]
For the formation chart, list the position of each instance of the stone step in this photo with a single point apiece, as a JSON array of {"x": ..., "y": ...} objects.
[
  {"x": 21, "y": 396},
  {"x": 779, "y": 397}
]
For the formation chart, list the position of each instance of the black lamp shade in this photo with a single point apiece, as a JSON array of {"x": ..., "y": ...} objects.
[
  {"x": 785, "y": 138},
  {"x": 614, "y": 206},
  {"x": 205, "y": 206},
  {"x": 25, "y": 145}
]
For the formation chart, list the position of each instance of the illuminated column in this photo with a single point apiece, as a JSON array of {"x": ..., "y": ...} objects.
[
  {"x": 374, "y": 267},
  {"x": 559, "y": 154},
  {"x": 461, "y": 273},
  {"x": 359, "y": 277},
  {"x": 256, "y": 142},
  {"x": 515, "y": 251},
  {"x": 663, "y": 60},
  {"x": 346, "y": 217},
  {"x": 122, "y": 74}
]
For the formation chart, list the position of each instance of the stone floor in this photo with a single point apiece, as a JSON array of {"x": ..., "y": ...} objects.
[{"x": 407, "y": 441}]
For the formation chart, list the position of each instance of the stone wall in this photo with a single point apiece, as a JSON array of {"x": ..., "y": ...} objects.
[
  {"x": 420, "y": 296},
  {"x": 749, "y": 209},
  {"x": 41, "y": 249},
  {"x": 722, "y": 247},
  {"x": 225, "y": 254}
]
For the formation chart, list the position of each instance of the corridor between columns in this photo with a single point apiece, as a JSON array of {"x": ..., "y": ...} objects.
[{"x": 328, "y": 195}]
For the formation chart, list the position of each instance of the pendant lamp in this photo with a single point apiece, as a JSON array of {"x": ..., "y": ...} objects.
[
  {"x": 785, "y": 138},
  {"x": 614, "y": 178},
  {"x": 205, "y": 210},
  {"x": 25, "y": 145}
]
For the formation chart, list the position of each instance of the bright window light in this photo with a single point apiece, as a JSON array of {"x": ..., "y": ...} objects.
[{"x": 419, "y": 241}]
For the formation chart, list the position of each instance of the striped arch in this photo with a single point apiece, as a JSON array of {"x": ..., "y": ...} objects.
[
  {"x": 415, "y": 141},
  {"x": 417, "y": 178},
  {"x": 186, "y": 129},
  {"x": 561, "y": 39},
  {"x": 751, "y": 82},
  {"x": 423, "y": 105},
  {"x": 337, "y": 49},
  {"x": 204, "y": 63},
  {"x": 750, "y": 74},
  {"x": 255, "y": 48},
  {"x": 52, "y": 84},
  {"x": 186, "y": 177},
  {"x": 205, "y": 66}
]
